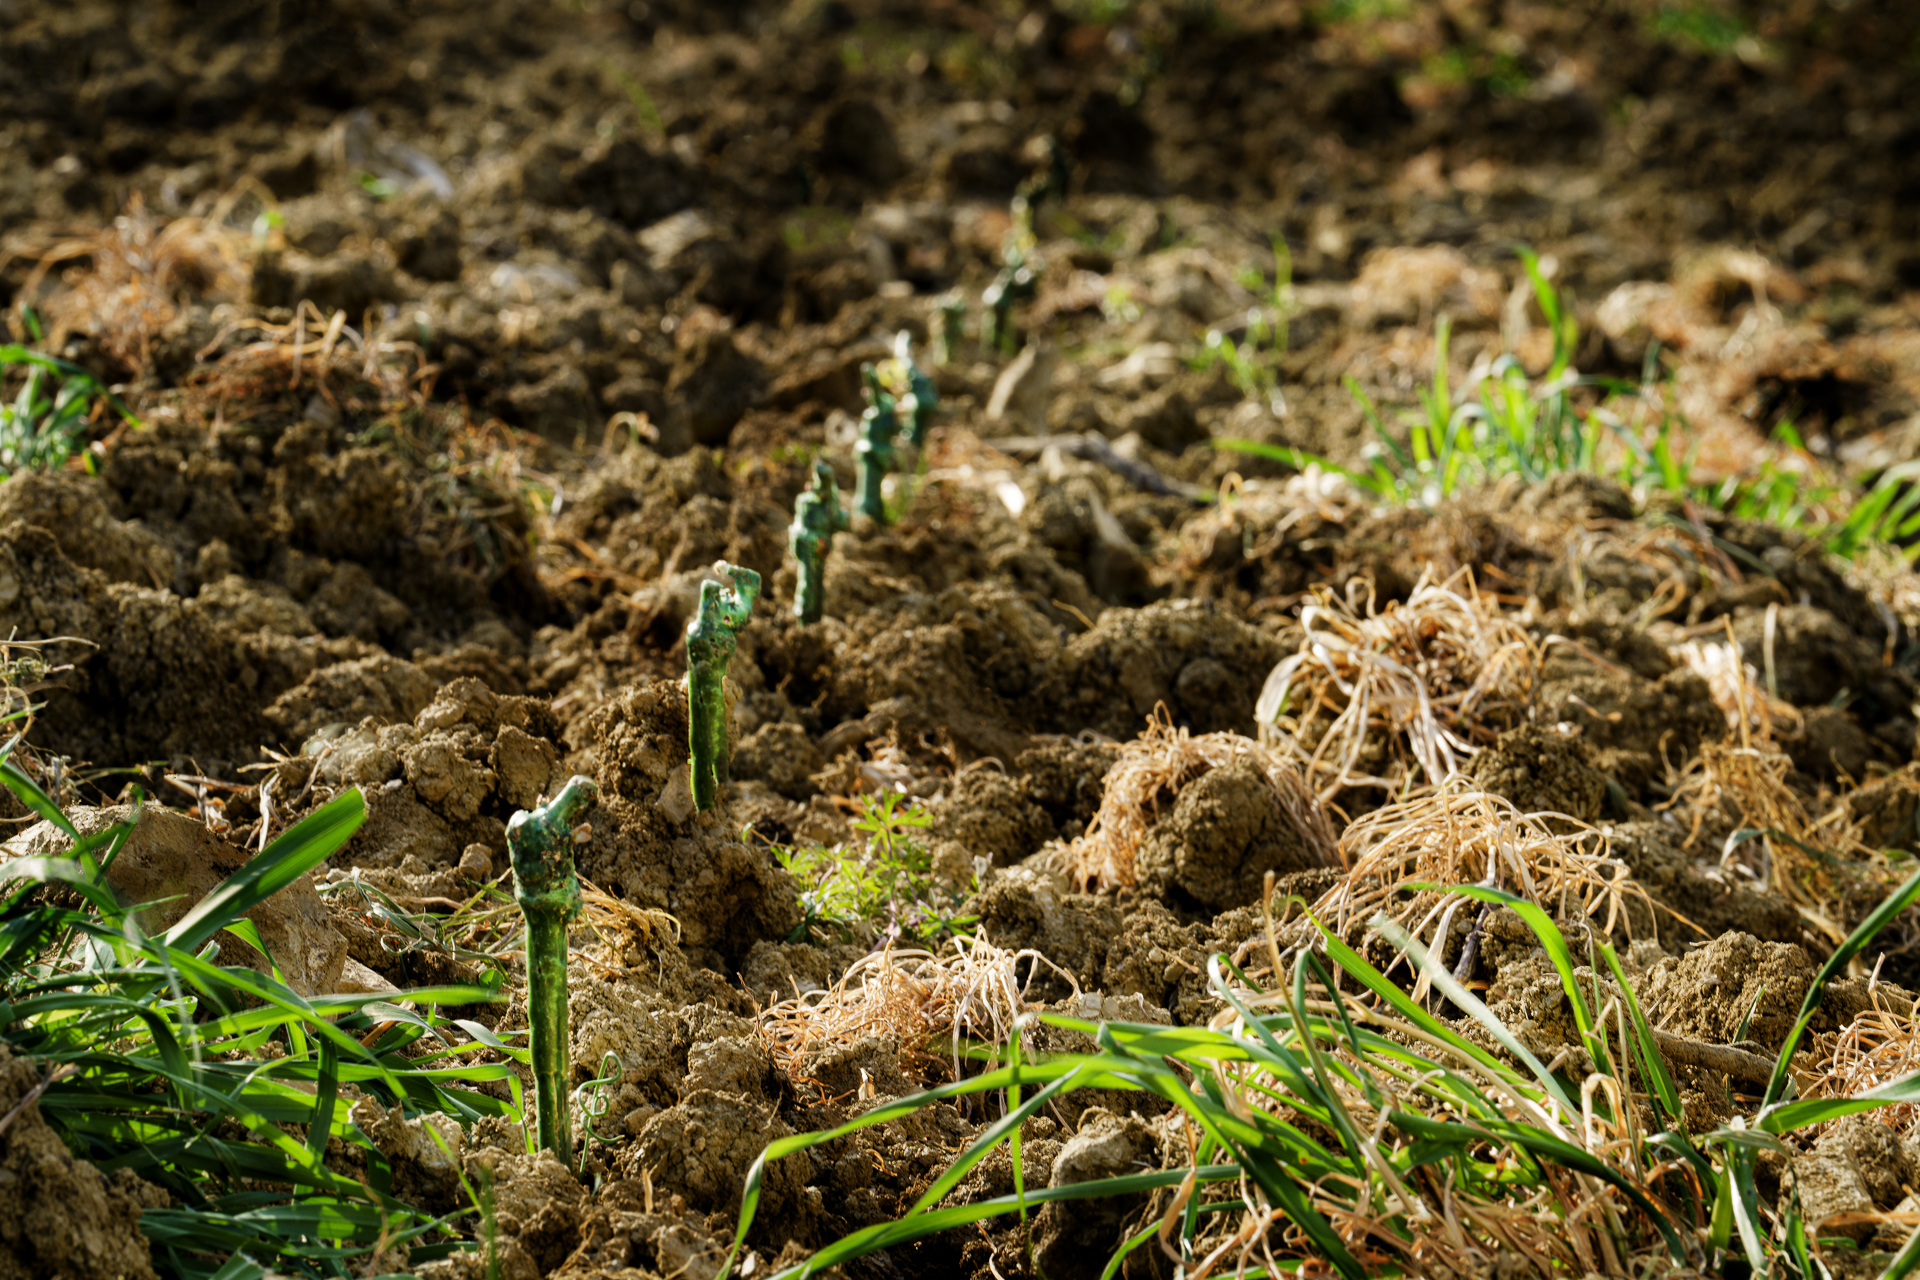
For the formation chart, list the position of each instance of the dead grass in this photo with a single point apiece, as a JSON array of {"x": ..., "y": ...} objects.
[
  {"x": 916, "y": 997},
  {"x": 1149, "y": 774},
  {"x": 1424, "y": 683},
  {"x": 1463, "y": 837},
  {"x": 1775, "y": 840},
  {"x": 1880, "y": 1045},
  {"x": 121, "y": 285}
]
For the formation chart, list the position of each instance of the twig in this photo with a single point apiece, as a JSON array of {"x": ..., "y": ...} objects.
[
  {"x": 1724, "y": 1058},
  {"x": 1095, "y": 449}
]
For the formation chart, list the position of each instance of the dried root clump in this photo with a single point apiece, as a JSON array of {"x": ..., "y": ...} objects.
[
  {"x": 975, "y": 993},
  {"x": 1879, "y": 1046},
  {"x": 1148, "y": 776},
  {"x": 120, "y": 286},
  {"x": 1427, "y": 683},
  {"x": 1461, "y": 837},
  {"x": 1773, "y": 839}
]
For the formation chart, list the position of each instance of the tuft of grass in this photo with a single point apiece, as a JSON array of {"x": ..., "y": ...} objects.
[
  {"x": 218, "y": 1083},
  {"x": 1329, "y": 1121},
  {"x": 1508, "y": 423},
  {"x": 1438, "y": 674},
  {"x": 46, "y": 422}
]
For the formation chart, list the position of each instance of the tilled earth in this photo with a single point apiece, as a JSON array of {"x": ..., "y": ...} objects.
[{"x": 467, "y": 337}]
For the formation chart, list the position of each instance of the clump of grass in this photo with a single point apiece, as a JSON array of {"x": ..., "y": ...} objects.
[
  {"x": 973, "y": 992},
  {"x": 1507, "y": 422},
  {"x": 1776, "y": 841},
  {"x": 1429, "y": 680},
  {"x": 1880, "y": 1045},
  {"x": 1363, "y": 1134},
  {"x": 1459, "y": 836},
  {"x": 217, "y": 1083},
  {"x": 121, "y": 285},
  {"x": 46, "y": 422},
  {"x": 882, "y": 891},
  {"x": 1149, "y": 773}
]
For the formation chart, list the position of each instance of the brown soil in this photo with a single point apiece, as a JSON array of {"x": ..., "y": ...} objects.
[{"x": 467, "y": 338}]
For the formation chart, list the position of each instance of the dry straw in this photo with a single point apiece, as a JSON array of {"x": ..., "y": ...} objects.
[
  {"x": 1880, "y": 1045},
  {"x": 915, "y": 997},
  {"x": 1149, "y": 774},
  {"x": 1457, "y": 836},
  {"x": 1435, "y": 677}
]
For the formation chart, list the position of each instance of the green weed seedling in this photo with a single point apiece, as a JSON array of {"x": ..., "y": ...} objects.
[
  {"x": 882, "y": 891},
  {"x": 540, "y": 845},
  {"x": 879, "y": 428},
  {"x": 711, "y": 638},
  {"x": 817, "y": 516},
  {"x": 43, "y": 425},
  {"x": 1253, "y": 362}
]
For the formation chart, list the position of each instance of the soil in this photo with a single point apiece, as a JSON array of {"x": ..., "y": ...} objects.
[{"x": 466, "y": 338}]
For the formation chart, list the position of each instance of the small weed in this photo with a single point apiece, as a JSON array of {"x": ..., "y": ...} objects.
[
  {"x": 1253, "y": 362},
  {"x": 884, "y": 890},
  {"x": 1507, "y": 422},
  {"x": 44, "y": 425}
]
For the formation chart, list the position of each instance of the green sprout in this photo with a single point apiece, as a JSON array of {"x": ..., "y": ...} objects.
[
  {"x": 817, "y": 516},
  {"x": 1254, "y": 362},
  {"x": 43, "y": 426},
  {"x": 879, "y": 426},
  {"x": 711, "y": 638},
  {"x": 540, "y": 844}
]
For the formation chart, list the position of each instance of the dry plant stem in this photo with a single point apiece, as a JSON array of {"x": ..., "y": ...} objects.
[
  {"x": 817, "y": 516},
  {"x": 1090, "y": 448},
  {"x": 711, "y": 638},
  {"x": 540, "y": 844}
]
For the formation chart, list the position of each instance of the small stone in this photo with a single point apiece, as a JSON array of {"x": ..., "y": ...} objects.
[{"x": 476, "y": 862}]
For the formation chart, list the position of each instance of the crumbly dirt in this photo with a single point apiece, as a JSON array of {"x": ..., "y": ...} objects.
[
  {"x": 64, "y": 1218},
  {"x": 467, "y": 338}
]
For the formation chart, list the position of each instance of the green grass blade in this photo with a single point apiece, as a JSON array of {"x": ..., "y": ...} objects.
[
  {"x": 1662, "y": 1091},
  {"x": 303, "y": 846},
  {"x": 1555, "y": 944},
  {"x": 1843, "y": 955}
]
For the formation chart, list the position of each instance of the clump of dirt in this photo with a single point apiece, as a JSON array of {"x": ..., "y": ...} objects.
[
  {"x": 438, "y": 785},
  {"x": 1261, "y": 818},
  {"x": 64, "y": 1218},
  {"x": 653, "y": 851},
  {"x": 1226, "y": 832},
  {"x": 1195, "y": 658},
  {"x": 1542, "y": 771},
  {"x": 1637, "y": 727}
]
